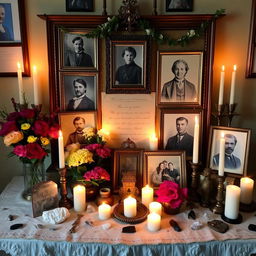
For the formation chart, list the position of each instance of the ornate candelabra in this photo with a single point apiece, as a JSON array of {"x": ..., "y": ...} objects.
[
  {"x": 193, "y": 194},
  {"x": 219, "y": 206},
  {"x": 220, "y": 113},
  {"x": 231, "y": 113}
]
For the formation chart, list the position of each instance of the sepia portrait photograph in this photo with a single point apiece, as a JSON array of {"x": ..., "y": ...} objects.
[
  {"x": 236, "y": 148},
  {"x": 180, "y": 77},
  {"x": 179, "y": 5},
  {"x": 79, "y": 91},
  {"x": 79, "y": 5},
  {"x": 160, "y": 166}
]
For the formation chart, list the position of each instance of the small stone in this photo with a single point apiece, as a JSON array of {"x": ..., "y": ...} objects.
[
  {"x": 16, "y": 226},
  {"x": 129, "y": 229},
  {"x": 106, "y": 226},
  {"x": 89, "y": 223},
  {"x": 252, "y": 227},
  {"x": 192, "y": 215},
  {"x": 53, "y": 229},
  {"x": 90, "y": 209},
  {"x": 39, "y": 226},
  {"x": 55, "y": 216},
  {"x": 175, "y": 225},
  {"x": 218, "y": 226},
  {"x": 196, "y": 225},
  {"x": 11, "y": 217}
]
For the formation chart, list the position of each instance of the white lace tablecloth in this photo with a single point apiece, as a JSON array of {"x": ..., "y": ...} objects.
[{"x": 56, "y": 240}]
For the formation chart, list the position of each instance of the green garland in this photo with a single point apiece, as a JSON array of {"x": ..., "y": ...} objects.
[{"x": 113, "y": 24}]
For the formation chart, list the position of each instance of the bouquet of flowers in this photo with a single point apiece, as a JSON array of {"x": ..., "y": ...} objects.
[
  {"x": 171, "y": 193},
  {"x": 88, "y": 163}
]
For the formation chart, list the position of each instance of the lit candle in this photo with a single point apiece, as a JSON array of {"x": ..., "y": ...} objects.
[
  {"x": 20, "y": 84},
  {"x": 104, "y": 211},
  {"x": 196, "y": 141},
  {"x": 153, "y": 142},
  {"x": 104, "y": 134},
  {"x": 155, "y": 207},
  {"x": 221, "y": 89},
  {"x": 79, "y": 193},
  {"x": 232, "y": 202},
  {"x": 153, "y": 222},
  {"x": 35, "y": 86},
  {"x": 147, "y": 194},
  {"x": 246, "y": 185},
  {"x": 61, "y": 151},
  {"x": 130, "y": 207},
  {"x": 232, "y": 89},
  {"x": 222, "y": 155}
]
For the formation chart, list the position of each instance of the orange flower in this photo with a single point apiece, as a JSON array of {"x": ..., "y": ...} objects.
[{"x": 13, "y": 137}]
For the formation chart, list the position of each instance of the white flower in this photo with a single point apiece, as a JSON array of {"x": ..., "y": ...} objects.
[
  {"x": 161, "y": 37},
  {"x": 109, "y": 19},
  {"x": 191, "y": 33},
  {"x": 148, "y": 31}
]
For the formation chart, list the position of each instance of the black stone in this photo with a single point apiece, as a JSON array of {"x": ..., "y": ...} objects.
[
  {"x": 129, "y": 229},
  {"x": 16, "y": 226},
  {"x": 175, "y": 225},
  {"x": 252, "y": 227},
  {"x": 218, "y": 225},
  {"x": 192, "y": 215}
]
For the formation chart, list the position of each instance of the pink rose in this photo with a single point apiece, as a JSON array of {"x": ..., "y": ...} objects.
[
  {"x": 92, "y": 147},
  {"x": 41, "y": 128},
  {"x": 27, "y": 113},
  {"x": 103, "y": 152},
  {"x": 97, "y": 173},
  {"x": 20, "y": 150},
  {"x": 8, "y": 127},
  {"x": 35, "y": 151}
]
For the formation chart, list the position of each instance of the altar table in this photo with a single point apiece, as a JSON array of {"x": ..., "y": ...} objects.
[{"x": 55, "y": 240}]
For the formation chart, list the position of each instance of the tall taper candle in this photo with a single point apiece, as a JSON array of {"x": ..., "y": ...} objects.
[
  {"x": 20, "y": 84},
  {"x": 35, "y": 86},
  {"x": 221, "y": 89},
  {"x": 232, "y": 202},
  {"x": 61, "y": 151},
  {"x": 222, "y": 155},
  {"x": 196, "y": 141},
  {"x": 232, "y": 88}
]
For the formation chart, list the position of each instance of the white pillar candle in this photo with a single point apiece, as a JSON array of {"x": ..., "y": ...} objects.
[
  {"x": 20, "y": 84},
  {"x": 196, "y": 141},
  {"x": 35, "y": 86},
  {"x": 79, "y": 193},
  {"x": 221, "y": 89},
  {"x": 232, "y": 202},
  {"x": 153, "y": 222},
  {"x": 130, "y": 207},
  {"x": 155, "y": 207},
  {"x": 147, "y": 195},
  {"x": 104, "y": 211},
  {"x": 232, "y": 88},
  {"x": 153, "y": 142},
  {"x": 61, "y": 151},
  {"x": 246, "y": 185},
  {"x": 222, "y": 155}
]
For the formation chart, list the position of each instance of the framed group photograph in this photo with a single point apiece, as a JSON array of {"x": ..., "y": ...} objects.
[
  {"x": 179, "y": 77},
  {"x": 177, "y": 129},
  {"x": 164, "y": 165},
  {"x": 237, "y": 143},
  {"x": 179, "y": 5},
  {"x": 73, "y": 123},
  {"x": 78, "y": 91},
  {"x": 128, "y": 64},
  {"x": 127, "y": 162},
  {"x": 79, "y": 5},
  {"x": 77, "y": 51}
]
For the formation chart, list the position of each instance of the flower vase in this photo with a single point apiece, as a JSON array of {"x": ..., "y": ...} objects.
[
  {"x": 169, "y": 210},
  {"x": 33, "y": 174}
]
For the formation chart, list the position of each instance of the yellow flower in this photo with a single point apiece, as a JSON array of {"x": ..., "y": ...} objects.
[
  {"x": 81, "y": 156},
  {"x": 31, "y": 139},
  {"x": 44, "y": 141},
  {"x": 88, "y": 132},
  {"x": 25, "y": 126},
  {"x": 13, "y": 137}
]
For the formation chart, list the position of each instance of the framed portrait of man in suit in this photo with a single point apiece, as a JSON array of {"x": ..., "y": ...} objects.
[
  {"x": 79, "y": 91},
  {"x": 235, "y": 152}
]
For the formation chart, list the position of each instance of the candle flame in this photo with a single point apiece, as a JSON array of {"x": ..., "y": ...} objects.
[
  {"x": 223, "y": 68},
  {"x": 34, "y": 68},
  {"x": 18, "y": 65},
  {"x": 196, "y": 119},
  {"x": 153, "y": 136},
  {"x": 222, "y": 135},
  {"x": 234, "y": 68},
  {"x": 60, "y": 133}
]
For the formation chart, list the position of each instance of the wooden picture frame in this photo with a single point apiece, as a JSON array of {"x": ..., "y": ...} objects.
[
  {"x": 156, "y": 165},
  {"x": 179, "y": 5},
  {"x": 237, "y": 144},
  {"x": 79, "y": 5},
  {"x": 134, "y": 77},
  {"x": 128, "y": 160},
  {"x": 13, "y": 43},
  {"x": 177, "y": 69}
]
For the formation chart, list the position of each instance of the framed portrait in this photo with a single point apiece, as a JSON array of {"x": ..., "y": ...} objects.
[
  {"x": 77, "y": 51},
  {"x": 177, "y": 130},
  {"x": 13, "y": 38},
  {"x": 179, "y": 78},
  {"x": 127, "y": 162},
  {"x": 237, "y": 143},
  {"x": 128, "y": 64},
  {"x": 179, "y": 5},
  {"x": 164, "y": 165},
  {"x": 71, "y": 122},
  {"x": 78, "y": 91},
  {"x": 79, "y": 5}
]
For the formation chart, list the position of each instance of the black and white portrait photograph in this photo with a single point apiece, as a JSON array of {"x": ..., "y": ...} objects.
[
  {"x": 79, "y": 92},
  {"x": 160, "y": 166},
  {"x": 236, "y": 149},
  {"x": 179, "y": 5},
  {"x": 180, "y": 77},
  {"x": 79, "y": 5},
  {"x": 79, "y": 52},
  {"x": 178, "y": 131},
  {"x": 127, "y": 63}
]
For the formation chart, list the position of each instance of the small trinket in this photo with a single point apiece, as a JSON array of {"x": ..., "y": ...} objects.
[
  {"x": 218, "y": 226},
  {"x": 106, "y": 226},
  {"x": 252, "y": 227},
  {"x": 129, "y": 229},
  {"x": 192, "y": 215},
  {"x": 89, "y": 223},
  {"x": 196, "y": 225},
  {"x": 175, "y": 225},
  {"x": 75, "y": 223},
  {"x": 11, "y": 217},
  {"x": 16, "y": 226}
]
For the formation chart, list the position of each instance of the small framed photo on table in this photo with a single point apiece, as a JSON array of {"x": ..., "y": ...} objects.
[{"x": 237, "y": 142}]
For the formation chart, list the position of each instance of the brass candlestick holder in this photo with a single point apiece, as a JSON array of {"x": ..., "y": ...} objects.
[
  {"x": 219, "y": 206},
  {"x": 193, "y": 194},
  {"x": 154, "y": 7},
  {"x": 64, "y": 200},
  {"x": 104, "y": 12},
  {"x": 231, "y": 113},
  {"x": 220, "y": 113}
]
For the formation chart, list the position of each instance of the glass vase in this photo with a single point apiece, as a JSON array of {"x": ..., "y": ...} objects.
[{"x": 33, "y": 174}]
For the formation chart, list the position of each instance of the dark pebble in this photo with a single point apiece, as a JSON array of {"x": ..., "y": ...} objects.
[
  {"x": 252, "y": 227},
  {"x": 129, "y": 229},
  {"x": 16, "y": 226},
  {"x": 192, "y": 215},
  {"x": 175, "y": 225}
]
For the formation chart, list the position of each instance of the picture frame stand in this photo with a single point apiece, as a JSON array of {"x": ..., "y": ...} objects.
[
  {"x": 231, "y": 113},
  {"x": 219, "y": 206},
  {"x": 194, "y": 195}
]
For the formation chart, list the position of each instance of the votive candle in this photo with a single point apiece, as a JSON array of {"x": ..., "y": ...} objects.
[
  {"x": 155, "y": 207},
  {"x": 147, "y": 194},
  {"x": 153, "y": 142},
  {"x": 79, "y": 193},
  {"x": 104, "y": 211},
  {"x": 246, "y": 185},
  {"x": 130, "y": 207},
  {"x": 153, "y": 222}
]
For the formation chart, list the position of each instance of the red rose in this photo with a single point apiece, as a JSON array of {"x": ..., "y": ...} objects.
[
  {"x": 8, "y": 127},
  {"x": 13, "y": 116},
  {"x": 41, "y": 128},
  {"x": 35, "y": 151},
  {"x": 54, "y": 131},
  {"x": 27, "y": 113},
  {"x": 20, "y": 150}
]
